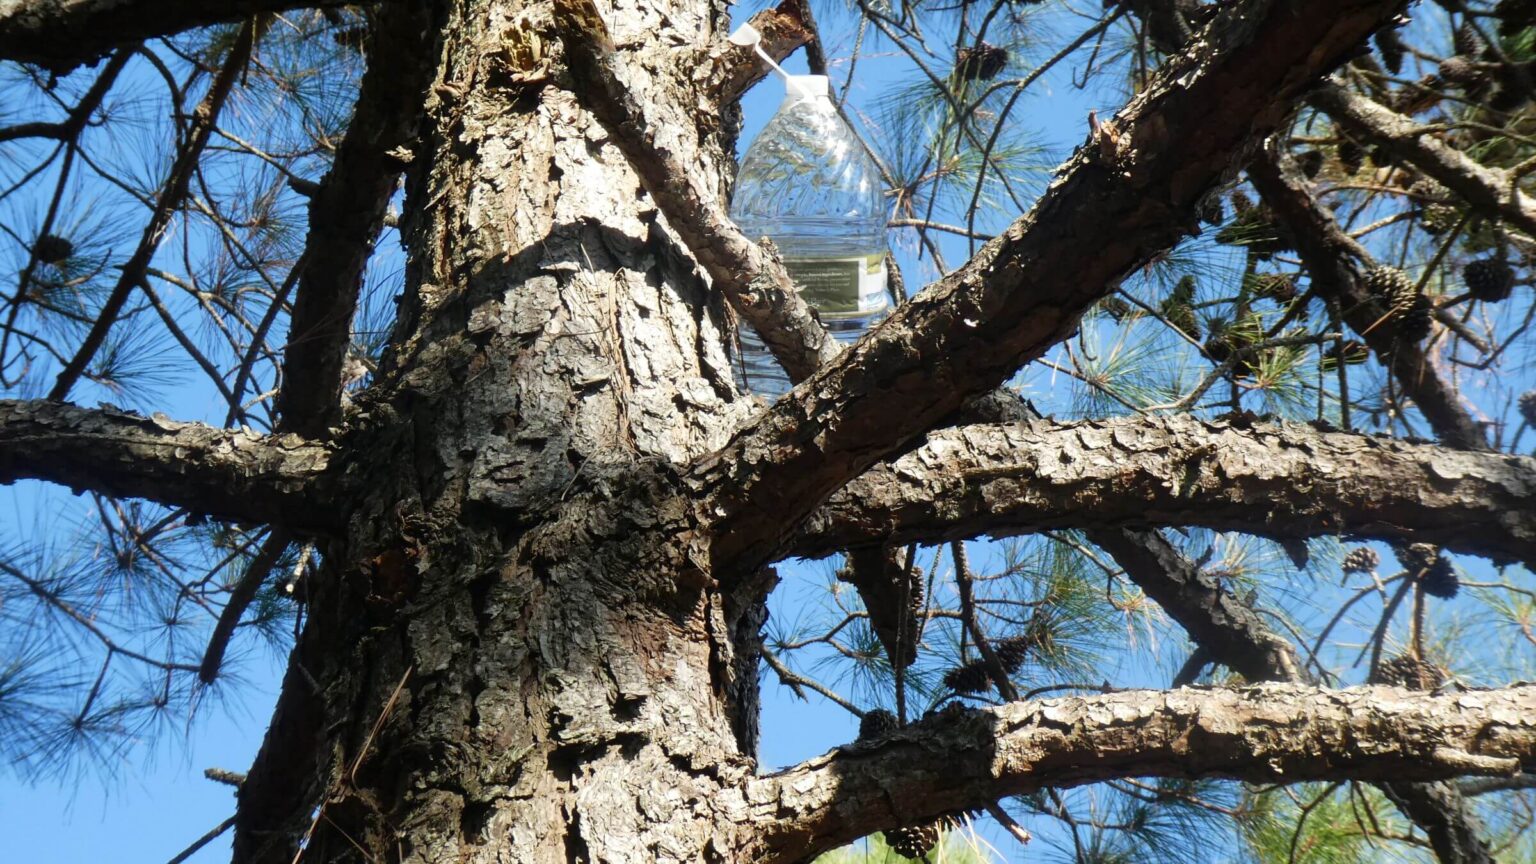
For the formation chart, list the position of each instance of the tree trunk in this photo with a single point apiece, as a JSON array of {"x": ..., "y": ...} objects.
[{"x": 502, "y": 662}]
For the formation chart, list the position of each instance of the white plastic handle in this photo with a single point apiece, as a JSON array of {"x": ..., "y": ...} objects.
[{"x": 746, "y": 35}]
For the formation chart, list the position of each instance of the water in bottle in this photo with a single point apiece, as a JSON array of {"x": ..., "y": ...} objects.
[{"x": 807, "y": 183}]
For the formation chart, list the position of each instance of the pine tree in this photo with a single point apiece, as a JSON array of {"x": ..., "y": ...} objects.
[{"x": 458, "y": 283}]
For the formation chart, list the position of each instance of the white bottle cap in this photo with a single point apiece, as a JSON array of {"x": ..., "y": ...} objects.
[{"x": 806, "y": 86}]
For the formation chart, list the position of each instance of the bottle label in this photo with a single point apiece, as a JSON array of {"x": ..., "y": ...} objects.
[{"x": 841, "y": 286}]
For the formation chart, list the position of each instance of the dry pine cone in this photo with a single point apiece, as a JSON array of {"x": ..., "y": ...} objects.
[
  {"x": 1488, "y": 279},
  {"x": 1361, "y": 559},
  {"x": 1528, "y": 407},
  {"x": 877, "y": 724},
  {"x": 914, "y": 841},
  {"x": 1410, "y": 672}
]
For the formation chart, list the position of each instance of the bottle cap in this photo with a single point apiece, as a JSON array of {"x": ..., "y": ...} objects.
[{"x": 806, "y": 86}]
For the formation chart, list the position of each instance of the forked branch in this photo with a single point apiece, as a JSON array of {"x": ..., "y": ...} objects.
[
  {"x": 347, "y": 212},
  {"x": 1132, "y": 192}
]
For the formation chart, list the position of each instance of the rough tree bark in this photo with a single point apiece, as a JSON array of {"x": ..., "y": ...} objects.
[{"x": 544, "y": 528}]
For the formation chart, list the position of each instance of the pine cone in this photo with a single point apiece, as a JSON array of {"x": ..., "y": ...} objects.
[
  {"x": 969, "y": 677},
  {"x": 1417, "y": 557},
  {"x": 1527, "y": 406},
  {"x": 1350, "y": 156},
  {"x": 980, "y": 64},
  {"x": 1218, "y": 346},
  {"x": 1412, "y": 312},
  {"x": 1440, "y": 579},
  {"x": 1182, "y": 316},
  {"x": 1361, "y": 559},
  {"x": 52, "y": 249},
  {"x": 1311, "y": 163},
  {"x": 1012, "y": 651},
  {"x": 914, "y": 841},
  {"x": 1184, "y": 290},
  {"x": 1459, "y": 71},
  {"x": 1278, "y": 287},
  {"x": 1241, "y": 203},
  {"x": 1415, "y": 320},
  {"x": 1388, "y": 283},
  {"x": 1468, "y": 42},
  {"x": 877, "y": 724},
  {"x": 1489, "y": 279},
  {"x": 1410, "y": 672},
  {"x": 917, "y": 605},
  {"x": 1437, "y": 214},
  {"x": 1390, "y": 43}
]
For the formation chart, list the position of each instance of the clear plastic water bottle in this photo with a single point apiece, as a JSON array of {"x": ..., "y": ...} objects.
[{"x": 808, "y": 184}]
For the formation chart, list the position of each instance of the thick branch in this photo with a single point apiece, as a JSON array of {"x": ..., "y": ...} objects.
[
  {"x": 220, "y": 472},
  {"x": 1129, "y": 194},
  {"x": 1489, "y": 190},
  {"x": 1328, "y": 252},
  {"x": 347, "y": 211},
  {"x": 61, "y": 34},
  {"x": 1280, "y": 480},
  {"x": 1230, "y": 629},
  {"x": 1213, "y": 616},
  {"x": 1262, "y": 734}
]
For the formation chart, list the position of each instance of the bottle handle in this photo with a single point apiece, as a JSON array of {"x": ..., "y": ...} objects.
[{"x": 746, "y": 35}]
